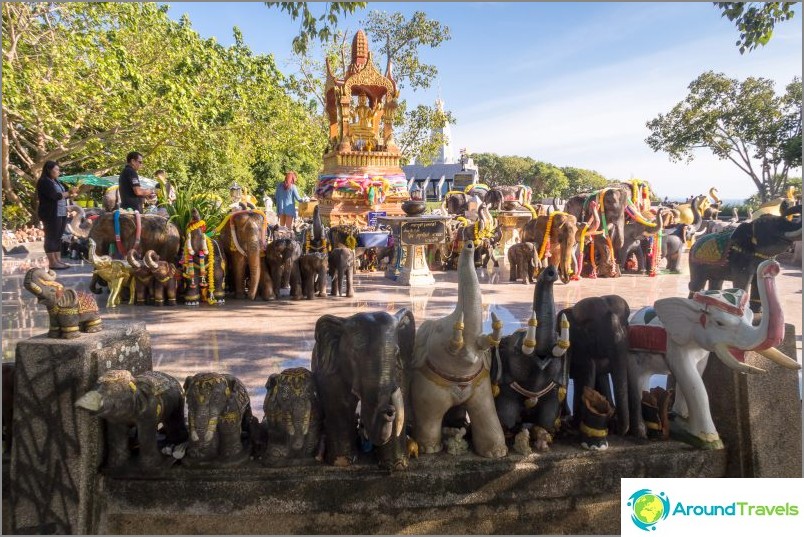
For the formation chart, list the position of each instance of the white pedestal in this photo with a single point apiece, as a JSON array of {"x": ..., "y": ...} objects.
[
  {"x": 511, "y": 223},
  {"x": 415, "y": 271}
]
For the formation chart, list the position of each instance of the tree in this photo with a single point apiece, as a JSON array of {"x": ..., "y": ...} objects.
[
  {"x": 547, "y": 180},
  {"x": 755, "y": 20},
  {"x": 312, "y": 27},
  {"x": 744, "y": 122},
  {"x": 85, "y": 83},
  {"x": 580, "y": 181}
]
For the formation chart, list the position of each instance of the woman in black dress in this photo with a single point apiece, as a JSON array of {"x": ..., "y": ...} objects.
[{"x": 53, "y": 197}]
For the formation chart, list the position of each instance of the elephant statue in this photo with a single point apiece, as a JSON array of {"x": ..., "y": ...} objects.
[
  {"x": 598, "y": 259},
  {"x": 633, "y": 233},
  {"x": 116, "y": 273},
  {"x": 344, "y": 235},
  {"x": 8, "y": 371},
  {"x": 485, "y": 233},
  {"x": 531, "y": 370},
  {"x": 342, "y": 267},
  {"x": 141, "y": 232},
  {"x": 243, "y": 238},
  {"x": 599, "y": 348},
  {"x": 456, "y": 203},
  {"x": 164, "y": 279},
  {"x": 203, "y": 266},
  {"x": 451, "y": 368},
  {"x": 141, "y": 279},
  {"x": 677, "y": 335},
  {"x": 610, "y": 204},
  {"x": 554, "y": 238},
  {"x": 523, "y": 258},
  {"x": 508, "y": 197},
  {"x": 68, "y": 310},
  {"x": 144, "y": 401},
  {"x": 282, "y": 258},
  {"x": 293, "y": 417},
  {"x": 734, "y": 255},
  {"x": 361, "y": 358},
  {"x": 218, "y": 411},
  {"x": 313, "y": 270},
  {"x": 711, "y": 212}
]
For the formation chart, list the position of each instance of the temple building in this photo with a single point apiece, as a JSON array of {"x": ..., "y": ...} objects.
[{"x": 362, "y": 172}]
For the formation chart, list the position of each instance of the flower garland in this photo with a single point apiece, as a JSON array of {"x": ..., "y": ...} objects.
[
  {"x": 307, "y": 246},
  {"x": 546, "y": 240},
  {"x": 351, "y": 242},
  {"x": 210, "y": 273},
  {"x": 593, "y": 275}
]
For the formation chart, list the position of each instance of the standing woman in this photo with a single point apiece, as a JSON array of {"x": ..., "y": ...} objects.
[
  {"x": 286, "y": 198},
  {"x": 52, "y": 212}
]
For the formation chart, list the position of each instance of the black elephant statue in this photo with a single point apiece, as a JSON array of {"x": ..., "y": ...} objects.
[
  {"x": 342, "y": 267},
  {"x": 282, "y": 258},
  {"x": 507, "y": 197},
  {"x": 313, "y": 270},
  {"x": 293, "y": 417},
  {"x": 360, "y": 358},
  {"x": 69, "y": 311},
  {"x": 141, "y": 232},
  {"x": 599, "y": 348},
  {"x": 531, "y": 371},
  {"x": 218, "y": 411},
  {"x": 734, "y": 255},
  {"x": 144, "y": 401},
  {"x": 456, "y": 203}
]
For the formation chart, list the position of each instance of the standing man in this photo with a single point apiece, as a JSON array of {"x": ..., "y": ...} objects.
[{"x": 131, "y": 193}]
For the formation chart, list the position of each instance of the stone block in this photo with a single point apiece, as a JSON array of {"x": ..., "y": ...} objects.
[
  {"x": 758, "y": 416},
  {"x": 57, "y": 448}
]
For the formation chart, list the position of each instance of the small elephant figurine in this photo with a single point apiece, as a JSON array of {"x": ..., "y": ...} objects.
[
  {"x": 292, "y": 415},
  {"x": 218, "y": 410},
  {"x": 342, "y": 265},
  {"x": 69, "y": 310},
  {"x": 146, "y": 401},
  {"x": 164, "y": 282},
  {"x": 141, "y": 278},
  {"x": 523, "y": 259},
  {"x": 313, "y": 268}
]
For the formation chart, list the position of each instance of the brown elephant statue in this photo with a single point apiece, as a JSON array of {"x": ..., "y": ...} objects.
[
  {"x": 243, "y": 238},
  {"x": 342, "y": 267},
  {"x": 611, "y": 204},
  {"x": 69, "y": 310},
  {"x": 141, "y": 277},
  {"x": 164, "y": 279},
  {"x": 523, "y": 259},
  {"x": 142, "y": 232},
  {"x": 598, "y": 258},
  {"x": 282, "y": 259},
  {"x": 557, "y": 249},
  {"x": 203, "y": 266}
]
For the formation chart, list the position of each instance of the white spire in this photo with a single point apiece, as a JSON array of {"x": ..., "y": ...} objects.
[{"x": 445, "y": 154}]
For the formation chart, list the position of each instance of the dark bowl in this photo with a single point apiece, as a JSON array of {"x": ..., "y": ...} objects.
[{"x": 413, "y": 207}]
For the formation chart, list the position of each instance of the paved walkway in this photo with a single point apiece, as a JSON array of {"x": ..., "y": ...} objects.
[{"x": 255, "y": 339}]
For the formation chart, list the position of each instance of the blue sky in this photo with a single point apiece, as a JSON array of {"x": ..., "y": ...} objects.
[{"x": 568, "y": 83}]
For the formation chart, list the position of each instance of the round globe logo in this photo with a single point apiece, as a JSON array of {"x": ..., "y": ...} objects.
[{"x": 648, "y": 508}]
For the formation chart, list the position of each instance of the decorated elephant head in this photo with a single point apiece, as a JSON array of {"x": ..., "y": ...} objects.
[
  {"x": 361, "y": 358},
  {"x": 42, "y": 283},
  {"x": 292, "y": 413},
  {"x": 69, "y": 311}
]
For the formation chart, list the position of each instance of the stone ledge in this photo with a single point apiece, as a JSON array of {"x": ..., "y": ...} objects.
[{"x": 564, "y": 491}]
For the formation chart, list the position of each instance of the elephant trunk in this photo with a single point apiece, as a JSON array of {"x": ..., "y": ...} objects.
[
  {"x": 254, "y": 267},
  {"x": 93, "y": 257},
  {"x": 297, "y": 423},
  {"x": 713, "y": 195},
  {"x": 545, "y": 309},
  {"x": 469, "y": 304},
  {"x": 696, "y": 213},
  {"x": 318, "y": 228},
  {"x": 206, "y": 432}
]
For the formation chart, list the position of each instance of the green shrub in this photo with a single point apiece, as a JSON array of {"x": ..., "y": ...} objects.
[{"x": 15, "y": 217}]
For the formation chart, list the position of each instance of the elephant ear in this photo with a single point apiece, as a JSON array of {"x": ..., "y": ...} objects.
[
  {"x": 141, "y": 397},
  {"x": 406, "y": 335},
  {"x": 743, "y": 235},
  {"x": 679, "y": 316},
  {"x": 68, "y": 298},
  {"x": 328, "y": 332},
  {"x": 187, "y": 383}
]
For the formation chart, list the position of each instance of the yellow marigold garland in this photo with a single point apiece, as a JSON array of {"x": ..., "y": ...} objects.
[
  {"x": 351, "y": 242},
  {"x": 211, "y": 273},
  {"x": 546, "y": 239}
]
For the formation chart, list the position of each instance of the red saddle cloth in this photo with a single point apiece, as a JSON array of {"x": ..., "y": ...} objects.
[{"x": 647, "y": 338}]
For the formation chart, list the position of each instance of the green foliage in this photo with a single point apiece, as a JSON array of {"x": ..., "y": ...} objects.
[
  {"x": 211, "y": 206},
  {"x": 15, "y": 216},
  {"x": 581, "y": 181},
  {"x": 744, "y": 122},
  {"x": 312, "y": 27},
  {"x": 755, "y": 20},
  {"x": 124, "y": 76}
]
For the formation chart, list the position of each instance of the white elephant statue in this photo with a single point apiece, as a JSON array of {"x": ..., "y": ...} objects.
[
  {"x": 450, "y": 368},
  {"x": 676, "y": 336}
]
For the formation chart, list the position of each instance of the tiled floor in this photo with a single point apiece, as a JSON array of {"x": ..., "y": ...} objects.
[{"x": 254, "y": 339}]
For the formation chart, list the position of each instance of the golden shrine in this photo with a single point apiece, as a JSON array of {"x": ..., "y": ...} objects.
[{"x": 361, "y": 171}]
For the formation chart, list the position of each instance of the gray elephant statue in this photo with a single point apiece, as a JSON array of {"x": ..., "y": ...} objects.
[
  {"x": 218, "y": 411},
  {"x": 313, "y": 269},
  {"x": 531, "y": 370},
  {"x": 282, "y": 256},
  {"x": 293, "y": 418},
  {"x": 342, "y": 267},
  {"x": 735, "y": 255},
  {"x": 523, "y": 259},
  {"x": 361, "y": 358},
  {"x": 677, "y": 335},
  {"x": 69, "y": 311},
  {"x": 144, "y": 401},
  {"x": 599, "y": 348},
  {"x": 450, "y": 368}
]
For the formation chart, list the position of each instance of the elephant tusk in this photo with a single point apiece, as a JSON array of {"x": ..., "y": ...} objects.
[
  {"x": 456, "y": 343},
  {"x": 399, "y": 406},
  {"x": 92, "y": 401},
  {"x": 529, "y": 344},
  {"x": 486, "y": 341},
  {"x": 775, "y": 355},
  {"x": 726, "y": 357},
  {"x": 150, "y": 260},
  {"x": 563, "y": 339},
  {"x": 194, "y": 435}
]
